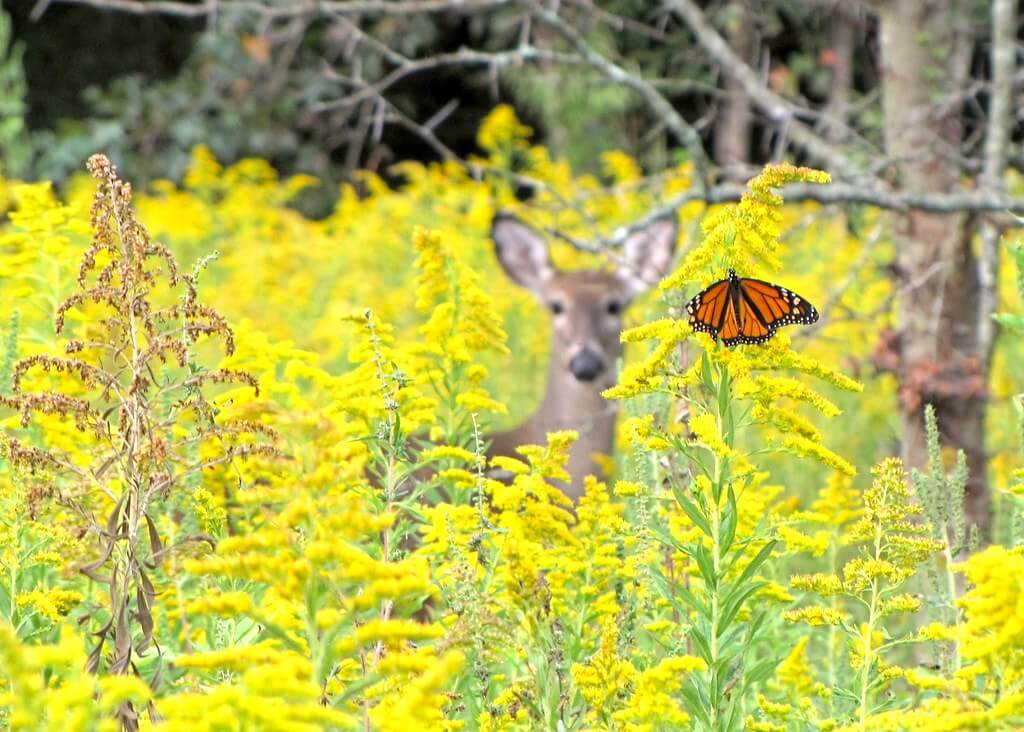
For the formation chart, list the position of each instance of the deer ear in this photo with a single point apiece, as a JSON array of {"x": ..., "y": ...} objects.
[
  {"x": 523, "y": 253},
  {"x": 647, "y": 254}
]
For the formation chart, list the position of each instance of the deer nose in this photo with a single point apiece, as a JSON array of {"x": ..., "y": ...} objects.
[{"x": 586, "y": 365}]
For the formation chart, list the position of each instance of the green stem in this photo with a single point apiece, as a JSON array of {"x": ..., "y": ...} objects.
[
  {"x": 869, "y": 632},
  {"x": 951, "y": 591},
  {"x": 715, "y": 610},
  {"x": 833, "y": 630},
  {"x": 716, "y": 558}
]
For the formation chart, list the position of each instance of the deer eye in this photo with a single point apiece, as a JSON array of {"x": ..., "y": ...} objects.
[
  {"x": 614, "y": 307},
  {"x": 557, "y": 307}
]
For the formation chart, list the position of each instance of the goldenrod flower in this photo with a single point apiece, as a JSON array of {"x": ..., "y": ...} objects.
[
  {"x": 605, "y": 676},
  {"x": 706, "y": 430},
  {"x": 814, "y": 615}
]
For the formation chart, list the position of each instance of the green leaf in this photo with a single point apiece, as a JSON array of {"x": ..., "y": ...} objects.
[
  {"x": 729, "y": 521},
  {"x": 735, "y": 601},
  {"x": 671, "y": 588},
  {"x": 756, "y": 562},
  {"x": 761, "y": 670},
  {"x": 705, "y": 372},
  {"x": 666, "y": 538},
  {"x": 733, "y": 721},
  {"x": 841, "y": 693},
  {"x": 732, "y": 635},
  {"x": 705, "y": 565},
  {"x": 729, "y": 426},
  {"x": 695, "y": 703},
  {"x": 717, "y": 683},
  {"x": 723, "y": 394},
  {"x": 724, "y": 661},
  {"x": 702, "y": 644},
  {"x": 1010, "y": 320},
  {"x": 755, "y": 625},
  {"x": 692, "y": 510}
]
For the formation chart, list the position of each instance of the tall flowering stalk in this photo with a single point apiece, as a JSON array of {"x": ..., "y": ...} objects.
[
  {"x": 717, "y": 524},
  {"x": 133, "y": 387},
  {"x": 942, "y": 498},
  {"x": 871, "y": 588},
  {"x": 461, "y": 323}
]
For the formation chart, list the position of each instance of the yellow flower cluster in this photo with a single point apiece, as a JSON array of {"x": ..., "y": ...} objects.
[
  {"x": 743, "y": 237},
  {"x": 621, "y": 697},
  {"x": 325, "y": 602},
  {"x": 739, "y": 237},
  {"x": 890, "y": 547},
  {"x": 546, "y": 614},
  {"x": 464, "y": 320},
  {"x": 46, "y": 687}
]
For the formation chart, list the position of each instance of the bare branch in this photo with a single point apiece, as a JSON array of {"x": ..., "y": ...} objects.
[
  {"x": 836, "y": 194},
  {"x": 682, "y": 129},
  {"x": 619, "y": 22},
  {"x": 997, "y": 143},
  {"x": 776, "y": 107},
  {"x": 462, "y": 57},
  {"x": 287, "y": 10}
]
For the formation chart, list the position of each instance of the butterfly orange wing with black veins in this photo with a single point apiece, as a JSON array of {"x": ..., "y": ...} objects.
[
  {"x": 743, "y": 310},
  {"x": 707, "y": 308}
]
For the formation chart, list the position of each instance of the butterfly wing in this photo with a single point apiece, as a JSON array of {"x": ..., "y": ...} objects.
[
  {"x": 708, "y": 308},
  {"x": 732, "y": 321},
  {"x": 752, "y": 328},
  {"x": 743, "y": 310},
  {"x": 768, "y": 307}
]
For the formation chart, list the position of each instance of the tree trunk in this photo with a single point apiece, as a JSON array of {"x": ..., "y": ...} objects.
[
  {"x": 732, "y": 133},
  {"x": 842, "y": 39},
  {"x": 923, "y": 57}
]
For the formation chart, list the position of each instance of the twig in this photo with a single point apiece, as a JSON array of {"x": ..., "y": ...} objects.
[
  {"x": 288, "y": 10},
  {"x": 682, "y": 129},
  {"x": 997, "y": 143},
  {"x": 619, "y": 22},
  {"x": 462, "y": 57},
  {"x": 776, "y": 107}
]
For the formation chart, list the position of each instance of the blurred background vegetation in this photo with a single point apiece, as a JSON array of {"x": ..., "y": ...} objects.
[
  {"x": 149, "y": 88},
  {"x": 893, "y": 98}
]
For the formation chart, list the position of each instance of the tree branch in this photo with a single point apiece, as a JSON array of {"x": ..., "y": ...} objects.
[
  {"x": 997, "y": 143},
  {"x": 836, "y": 194},
  {"x": 287, "y": 10},
  {"x": 462, "y": 57},
  {"x": 776, "y": 107},
  {"x": 682, "y": 129}
]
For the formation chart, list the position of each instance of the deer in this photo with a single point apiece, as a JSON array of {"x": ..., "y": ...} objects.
[{"x": 586, "y": 309}]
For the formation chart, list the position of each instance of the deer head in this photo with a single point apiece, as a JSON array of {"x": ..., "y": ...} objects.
[{"x": 586, "y": 306}]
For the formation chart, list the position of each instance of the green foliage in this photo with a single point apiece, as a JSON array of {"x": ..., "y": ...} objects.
[
  {"x": 15, "y": 148},
  {"x": 228, "y": 97},
  {"x": 1014, "y": 321}
]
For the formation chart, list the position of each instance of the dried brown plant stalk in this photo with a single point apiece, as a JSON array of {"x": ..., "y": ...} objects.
[{"x": 136, "y": 393}]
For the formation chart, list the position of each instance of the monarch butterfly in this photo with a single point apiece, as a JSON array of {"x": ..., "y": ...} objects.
[{"x": 744, "y": 310}]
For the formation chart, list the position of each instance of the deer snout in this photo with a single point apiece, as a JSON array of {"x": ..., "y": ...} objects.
[{"x": 586, "y": 365}]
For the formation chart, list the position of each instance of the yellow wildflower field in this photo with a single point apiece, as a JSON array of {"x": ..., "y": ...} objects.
[{"x": 244, "y": 482}]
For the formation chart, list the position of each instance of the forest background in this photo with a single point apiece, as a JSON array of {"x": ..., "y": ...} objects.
[{"x": 322, "y": 176}]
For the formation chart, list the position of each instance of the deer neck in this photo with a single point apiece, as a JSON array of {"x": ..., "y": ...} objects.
[{"x": 571, "y": 404}]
